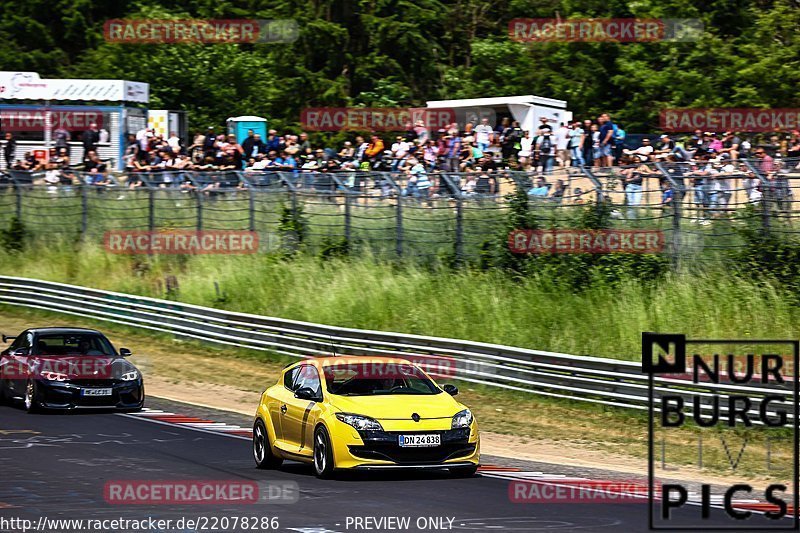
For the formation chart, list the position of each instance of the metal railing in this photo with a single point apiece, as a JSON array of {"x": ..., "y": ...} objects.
[
  {"x": 389, "y": 215},
  {"x": 588, "y": 379}
]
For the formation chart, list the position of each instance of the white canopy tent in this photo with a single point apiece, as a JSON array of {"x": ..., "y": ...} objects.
[{"x": 526, "y": 109}]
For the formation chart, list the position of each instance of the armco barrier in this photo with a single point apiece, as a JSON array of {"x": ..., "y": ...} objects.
[{"x": 589, "y": 379}]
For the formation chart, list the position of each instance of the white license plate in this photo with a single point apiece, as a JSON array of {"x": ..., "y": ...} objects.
[
  {"x": 411, "y": 441},
  {"x": 96, "y": 392}
]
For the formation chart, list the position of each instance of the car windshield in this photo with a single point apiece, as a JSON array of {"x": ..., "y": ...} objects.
[
  {"x": 373, "y": 379},
  {"x": 72, "y": 344}
]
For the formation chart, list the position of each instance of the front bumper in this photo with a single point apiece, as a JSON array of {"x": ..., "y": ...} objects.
[
  {"x": 69, "y": 394},
  {"x": 381, "y": 450}
]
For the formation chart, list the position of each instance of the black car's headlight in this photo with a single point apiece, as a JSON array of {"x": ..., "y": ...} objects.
[
  {"x": 133, "y": 375},
  {"x": 462, "y": 419},
  {"x": 361, "y": 423}
]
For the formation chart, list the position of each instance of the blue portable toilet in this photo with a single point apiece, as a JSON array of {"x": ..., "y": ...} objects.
[{"x": 239, "y": 126}]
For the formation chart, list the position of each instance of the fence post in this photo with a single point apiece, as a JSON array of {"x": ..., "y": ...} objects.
[
  {"x": 598, "y": 187},
  {"x": 765, "y": 196},
  {"x": 199, "y": 210},
  {"x": 679, "y": 192},
  {"x": 18, "y": 188},
  {"x": 252, "y": 215},
  {"x": 84, "y": 210},
  {"x": 151, "y": 208},
  {"x": 398, "y": 214},
  {"x": 347, "y": 218},
  {"x": 676, "y": 223},
  {"x": 455, "y": 189}
]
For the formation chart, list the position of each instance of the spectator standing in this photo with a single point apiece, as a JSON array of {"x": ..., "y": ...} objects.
[
  {"x": 562, "y": 145},
  {"x": 526, "y": 147},
  {"x": 587, "y": 146},
  {"x": 595, "y": 139},
  {"x": 61, "y": 136},
  {"x": 247, "y": 143},
  {"x": 606, "y": 140},
  {"x": 90, "y": 139},
  {"x": 421, "y": 131},
  {"x": 766, "y": 164},
  {"x": 400, "y": 150},
  {"x": 731, "y": 144},
  {"x": 484, "y": 135},
  {"x": 576, "y": 137},
  {"x": 452, "y": 152},
  {"x": 9, "y": 149},
  {"x": 545, "y": 148},
  {"x": 174, "y": 143}
]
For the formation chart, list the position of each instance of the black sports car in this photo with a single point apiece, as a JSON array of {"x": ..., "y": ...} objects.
[{"x": 68, "y": 368}]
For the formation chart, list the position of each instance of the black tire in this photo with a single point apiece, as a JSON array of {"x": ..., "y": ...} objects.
[
  {"x": 4, "y": 399},
  {"x": 30, "y": 401},
  {"x": 323, "y": 454},
  {"x": 262, "y": 450},
  {"x": 464, "y": 471}
]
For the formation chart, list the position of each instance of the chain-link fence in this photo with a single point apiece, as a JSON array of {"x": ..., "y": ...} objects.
[{"x": 700, "y": 207}]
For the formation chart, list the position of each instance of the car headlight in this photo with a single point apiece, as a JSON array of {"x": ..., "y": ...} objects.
[
  {"x": 130, "y": 376},
  {"x": 462, "y": 419},
  {"x": 53, "y": 376},
  {"x": 361, "y": 423}
]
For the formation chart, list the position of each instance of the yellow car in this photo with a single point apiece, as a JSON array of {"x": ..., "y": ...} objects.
[{"x": 364, "y": 413}]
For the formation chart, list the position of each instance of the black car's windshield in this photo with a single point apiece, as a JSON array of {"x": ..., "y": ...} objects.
[
  {"x": 373, "y": 379},
  {"x": 72, "y": 344}
]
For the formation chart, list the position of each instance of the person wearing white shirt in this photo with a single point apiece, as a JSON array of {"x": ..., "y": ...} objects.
[
  {"x": 174, "y": 142},
  {"x": 483, "y": 134},
  {"x": 526, "y": 146},
  {"x": 399, "y": 152},
  {"x": 562, "y": 145},
  {"x": 643, "y": 153}
]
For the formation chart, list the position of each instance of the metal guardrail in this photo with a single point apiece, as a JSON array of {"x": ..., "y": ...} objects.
[{"x": 590, "y": 379}]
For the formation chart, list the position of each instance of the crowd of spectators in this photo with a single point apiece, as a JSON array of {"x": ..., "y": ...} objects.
[{"x": 473, "y": 158}]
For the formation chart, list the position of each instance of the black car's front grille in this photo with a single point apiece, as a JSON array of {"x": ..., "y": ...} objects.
[
  {"x": 69, "y": 394},
  {"x": 384, "y": 446},
  {"x": 99, "y": 383}
]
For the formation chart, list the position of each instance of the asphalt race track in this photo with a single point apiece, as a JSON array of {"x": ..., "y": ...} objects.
[{"x": 57, "y": 465}]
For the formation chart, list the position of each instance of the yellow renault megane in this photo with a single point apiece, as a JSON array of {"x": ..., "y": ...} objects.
[{"x": 364, "y": 413}]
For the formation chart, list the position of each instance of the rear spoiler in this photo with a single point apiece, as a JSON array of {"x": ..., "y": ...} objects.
[{"x": 6, "y": 338}]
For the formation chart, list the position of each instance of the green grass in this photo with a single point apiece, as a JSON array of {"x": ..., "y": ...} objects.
[{"x": 482, "y": 306}]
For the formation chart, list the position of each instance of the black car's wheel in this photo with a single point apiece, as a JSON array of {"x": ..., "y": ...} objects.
[
  {"x": 262, "y": 450},
  {"x": 31, "y": 397},
  {"x": 323, "y": 453},
  {"x": 464, "y": 471},
  {"x": 4, "y": 399}
]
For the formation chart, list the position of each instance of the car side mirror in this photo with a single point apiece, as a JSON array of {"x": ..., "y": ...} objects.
[
  {"x": 124, "y": 352},
  {"x": 21, "y": 352},
  {"x": 452, "y": 390},
  {"x": 306, "y": 393}
]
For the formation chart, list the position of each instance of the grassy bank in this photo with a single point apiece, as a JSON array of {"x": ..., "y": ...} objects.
[{"x": 483, "y": 306}]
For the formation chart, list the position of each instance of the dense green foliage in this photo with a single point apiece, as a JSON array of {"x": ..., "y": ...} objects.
[
  {"x": 397, "y": 52},
  {"x": 567, "y": 271}
]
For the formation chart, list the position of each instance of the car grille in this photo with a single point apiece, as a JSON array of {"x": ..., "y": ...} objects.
[{"x": 383, "y": 445}]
